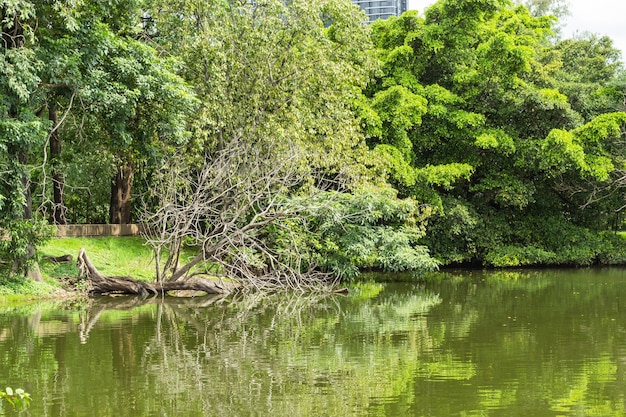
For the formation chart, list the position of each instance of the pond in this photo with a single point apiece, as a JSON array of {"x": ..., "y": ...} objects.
[{"x": 541, "y": 343}]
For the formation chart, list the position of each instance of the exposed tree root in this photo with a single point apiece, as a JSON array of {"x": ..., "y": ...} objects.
[{"x": 100, "y": 284}]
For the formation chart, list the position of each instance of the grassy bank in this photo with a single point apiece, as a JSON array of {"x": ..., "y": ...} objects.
[{"x": 128, "y": 256}]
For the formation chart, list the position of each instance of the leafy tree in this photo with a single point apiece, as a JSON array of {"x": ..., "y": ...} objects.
[
  {"x": 130, "y": 100},
  {"x": 20, "y": 131},
  {"x": 590, "y": 75},
  {"x": 84, "y": 59},
  {"x": 557, "y": 8},
  {"x": 279, "y": 85},
  {"x": 137, "y": 107},
  {"x": 370, "y": 229},
  {"x": 494, "y": 139},
  {"x": 260, "y": 69}
]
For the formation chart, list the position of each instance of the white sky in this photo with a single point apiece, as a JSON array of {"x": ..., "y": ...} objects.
[{"x": 602, "y": 17}]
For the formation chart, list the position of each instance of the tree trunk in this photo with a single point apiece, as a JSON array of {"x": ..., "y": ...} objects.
[
  {"x": 101, "y": 284},
  {"x": 33, "y": 271},
  {"x": 58, "y": 182},
  {"x": 121, "y": 189}
]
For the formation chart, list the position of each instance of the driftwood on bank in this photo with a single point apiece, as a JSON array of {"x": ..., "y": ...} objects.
[{"x": 101, "y": 284}]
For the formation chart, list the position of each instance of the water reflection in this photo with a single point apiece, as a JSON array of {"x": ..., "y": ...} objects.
[{"x": 514, "y": 343}]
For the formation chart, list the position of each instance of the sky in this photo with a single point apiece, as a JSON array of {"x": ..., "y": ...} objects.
[{"x": 602, "y": 17}]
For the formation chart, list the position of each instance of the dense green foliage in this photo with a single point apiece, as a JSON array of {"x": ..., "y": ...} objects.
[
  {"x": 347, "y": 232},
  {"x": 498, "y": 140},
  {"x": 469, "y": 134}
]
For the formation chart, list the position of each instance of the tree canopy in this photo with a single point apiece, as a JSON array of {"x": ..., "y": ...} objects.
[
  {"x": 498, "y": 142},
  {"x": 278, "y": 138}
]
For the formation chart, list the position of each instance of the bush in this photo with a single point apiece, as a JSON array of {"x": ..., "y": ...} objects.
[
  {"x": 508, "y": 256},
  {"x": 370, "y": 229},
  {"x": 500, "y": 238}
]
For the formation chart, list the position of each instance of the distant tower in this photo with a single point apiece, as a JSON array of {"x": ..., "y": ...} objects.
[{"x": 381, "y": 9}]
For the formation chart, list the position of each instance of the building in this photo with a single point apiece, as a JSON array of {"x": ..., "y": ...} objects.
[{"x": 382, "y": 9}]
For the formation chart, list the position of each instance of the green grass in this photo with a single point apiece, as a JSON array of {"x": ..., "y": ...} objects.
[
  {"x": 18, "y": 290},
  {"x": 113, "y": 256}
]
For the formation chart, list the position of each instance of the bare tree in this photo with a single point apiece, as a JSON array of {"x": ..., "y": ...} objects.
[
  {"x": 212, "y": 219},
  {"x": 223, "y": 210}
]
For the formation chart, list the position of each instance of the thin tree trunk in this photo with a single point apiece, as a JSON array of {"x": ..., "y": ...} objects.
[
  {"x": 33, "y": 271},
  {"x": 58, "y": 182},
  {"x": 121, "y": 191}
]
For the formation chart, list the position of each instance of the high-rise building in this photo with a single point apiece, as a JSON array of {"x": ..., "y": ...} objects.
[{"x": 381, "y": 9}]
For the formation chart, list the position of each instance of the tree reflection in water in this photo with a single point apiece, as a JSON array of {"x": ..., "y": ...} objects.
[
  {"x": 261, "y": 354},
  {"x": 544, "y": 342}
]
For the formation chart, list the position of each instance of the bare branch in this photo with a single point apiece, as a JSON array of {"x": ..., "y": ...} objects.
[{"x": 223, "y": 209}]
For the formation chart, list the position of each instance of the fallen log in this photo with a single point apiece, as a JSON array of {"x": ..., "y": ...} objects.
[
  {"x": 59, "y": 259},
  {"x": 101, "y": 284}
]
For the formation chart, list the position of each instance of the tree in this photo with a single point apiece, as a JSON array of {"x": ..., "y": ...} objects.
[
  {"x": 590, "y": 75},
  {"x": 224, "y": 211},
  {"x": 276, "y": 89},
  {"x": 83, "y": 59},
  {"x": 131, "y": 105},
  {"x": 279, "y": 85},
  {"x": 491, "y": 131},
  {"x": 557, "y": 8},
  {"x": 57, "y": 51},
  {"x": 587, "y": 164},
  {"x": 20, "y": 131},
  {"x": 139, "y": 105}
]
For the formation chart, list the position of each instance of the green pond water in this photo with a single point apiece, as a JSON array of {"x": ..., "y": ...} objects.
[{"x": 528, "y": 343}]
